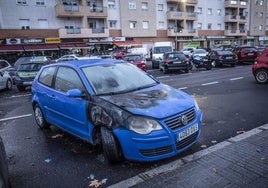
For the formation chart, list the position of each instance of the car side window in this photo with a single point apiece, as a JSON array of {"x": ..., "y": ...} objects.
[
  {"x": 46, "y": 76},
  {"x": 67, "y": 79}
]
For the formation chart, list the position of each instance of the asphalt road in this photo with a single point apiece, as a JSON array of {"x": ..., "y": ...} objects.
[{"x": 229, "y": 98}]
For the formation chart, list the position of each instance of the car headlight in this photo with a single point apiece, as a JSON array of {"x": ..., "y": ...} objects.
[{"x": 143, "y": 125}]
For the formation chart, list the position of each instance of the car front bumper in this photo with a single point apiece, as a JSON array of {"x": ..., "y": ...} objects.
[{"x": 158, "y": 144}]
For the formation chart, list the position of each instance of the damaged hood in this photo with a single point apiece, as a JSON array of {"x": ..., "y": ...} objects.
[{"x": 158, "y": 101}]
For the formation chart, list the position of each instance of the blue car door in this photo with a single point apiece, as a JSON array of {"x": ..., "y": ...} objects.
[{"x": 69, "y": 113}]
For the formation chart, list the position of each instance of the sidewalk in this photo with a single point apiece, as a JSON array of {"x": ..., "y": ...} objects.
[{"x": 241, "y": 161}]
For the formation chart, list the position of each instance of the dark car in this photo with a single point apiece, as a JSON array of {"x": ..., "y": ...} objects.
[
  {"x": 114, "y": 104},
  {"x": 174, "y": 61},
  {"x": 260, "y": 67},
  {"x": 222, "y": 57},
  {"x": 25, "y": 74},
  {"x": 245, "y": 53},
  {"x": 136, "y": 59},
  {"x": 4, "y": 180}
]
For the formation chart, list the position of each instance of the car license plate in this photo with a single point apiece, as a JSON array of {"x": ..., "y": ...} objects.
[
  {"x": 187, "y": 132},
  {"x": 250, "y": 53},
  {"x": 177, "y": 62},
  {"x": 228, "y": 57},
  {"x": 27, "y": 83}
]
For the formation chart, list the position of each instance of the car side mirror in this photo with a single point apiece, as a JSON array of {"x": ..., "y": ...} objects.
[{"x": 75, "y": 93}]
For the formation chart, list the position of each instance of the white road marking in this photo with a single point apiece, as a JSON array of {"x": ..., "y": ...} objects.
[
  {"x": 210, "y": 83},
  {"x": 182, "y": 88},
  {"x": 15, "y": 117},
  {"x": 238, "y": 78}
]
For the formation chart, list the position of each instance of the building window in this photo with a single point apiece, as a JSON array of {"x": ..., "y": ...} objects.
[
  {"x": 160, "y": 7},
  {"x": 233, "y": 2},
  {"x": 111, "y": 4},
  {"x": 132, "y": 5},
  {"x": 209, "y": 11},
  {"x": 161, "y": 25},
  {"x": 219, "y": 26},
  {"x": 40, "y": 2},
  {"x": 199, "y": 26},
  {"x": 209, "y": 26},
  {"x": 261, "y": 27},
  {"x": 219, "y": 12},
  {"x": 24, "y": 23},
  {"x": 21, "y": 2},
  {"x": 256, "y": 2},
  {"x": 43, "y": 23},
  {"x": 145, "y": 24},
  {"x": 112, "y": 23},
  {"x": 261, "y": 15},
  {"x": 144, "y": 6},
  {"x": 243, "y": 3},
  {"x": 132, "y": 24},
  {"x": 199, "y": 10},
  {"x": 261, "y": 2}
]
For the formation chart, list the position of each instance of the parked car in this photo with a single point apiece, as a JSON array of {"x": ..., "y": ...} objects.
[
  {"x": 4, "y": 179},
  {"x": 25, "y": 74},
  {"x": 136, "y": 59},
  {"x": 27, "y": 59},
  {"x": 118, "y": 54},
  {"x": 112, "y": 103},
  {"x": 71, "y": 57},
  {"x": 260, "y": 67},
  {"x": 245, "y": 53},
  {"x": 174, "y": 61},
  {"x": 200, "y": 52},
  {"x": 5, "y": 79},
  {"x": 222, "y": 57},
  {"x": 260, "y": 49},
  {"x": 188, "y": 51}
]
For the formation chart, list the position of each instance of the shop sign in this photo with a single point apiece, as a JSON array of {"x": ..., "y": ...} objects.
[
  {"x": 33, "y": 41},
  {"x": 52, "y": 40},
  {"x": 13, "y": 41}
]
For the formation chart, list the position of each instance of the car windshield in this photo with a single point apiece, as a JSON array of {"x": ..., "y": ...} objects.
[
  {"x": 117, "y": 78},
  {"x": 200, "y": 51},
  {"x": 176, "y": 56},
  {"x": 162, "y": 49},
  {"x": 132, "y": 58},
  {"x": 30, "y": 67}
]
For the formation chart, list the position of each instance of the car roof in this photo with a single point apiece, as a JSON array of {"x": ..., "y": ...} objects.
[{"x": 87, "y": 62}]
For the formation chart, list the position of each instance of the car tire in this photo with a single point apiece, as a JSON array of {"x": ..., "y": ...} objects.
[
  {"x": 261, "y": 76},
  {"x": 39, "y": 118},
  {"x": 186, "y": 70},
  {"x": 21, "y": 88},
  {"x": 9, "y": 84},
  {"x": 111, "y": 147},
  {"x": 209, "y": 66}
]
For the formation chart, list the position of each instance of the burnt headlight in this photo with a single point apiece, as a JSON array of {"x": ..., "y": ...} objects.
[{"x": 143, "y": 125}]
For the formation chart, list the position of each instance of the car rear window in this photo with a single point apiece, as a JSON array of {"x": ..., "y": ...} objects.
[
  {"x": 225, "y": 52},
  {"x": 248, "y": 49},
  {"x": 176, "y": 55}
]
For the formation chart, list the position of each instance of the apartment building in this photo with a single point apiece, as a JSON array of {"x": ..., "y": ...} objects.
[{"x": 65, "y": 26}]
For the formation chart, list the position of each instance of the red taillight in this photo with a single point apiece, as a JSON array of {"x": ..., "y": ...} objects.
[
  {"x": 165, "y": 61},
  {"x": 221, "y": 57}
]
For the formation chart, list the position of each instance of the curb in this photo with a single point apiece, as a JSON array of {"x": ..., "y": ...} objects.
[{"x": 180, "y": 162}]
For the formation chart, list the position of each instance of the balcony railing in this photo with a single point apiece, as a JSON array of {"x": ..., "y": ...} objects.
[
  {"x": 175, "y": 15},
  {"x": 183, "y": 32},
  {"x": 235, "y": 4},
  {"x": 183, "y": 1},
  {"x": 83, "y": 32},
  {"x": 241, "y": 32}
]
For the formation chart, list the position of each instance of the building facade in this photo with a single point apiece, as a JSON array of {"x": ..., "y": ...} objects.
[{"x": 71, "y": 26}]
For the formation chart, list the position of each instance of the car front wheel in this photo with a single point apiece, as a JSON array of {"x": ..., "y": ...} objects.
[
  {"x": 261, "y": 76},
  {"x": 110, "y": 145},
  {"x": 9, "y": 84},
  {"x": 39, "y": 118}
]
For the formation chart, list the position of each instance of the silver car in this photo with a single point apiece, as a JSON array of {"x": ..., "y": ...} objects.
[{"x": 5, "y": 79}]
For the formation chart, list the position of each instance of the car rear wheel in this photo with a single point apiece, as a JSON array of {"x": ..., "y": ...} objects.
[
  {"x": 39, "y": 118},
  {"x": 261, "y": 76},
  {"x": 9, "y": 84},
  {"x": 110, "y": 145},
  {"x": 21, "y": 88}
]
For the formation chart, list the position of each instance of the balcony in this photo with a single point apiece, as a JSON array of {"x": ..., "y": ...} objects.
[
  {"x": 235, "y": 4},
  {"x": 230, "y": 18},
  {"x": 233, "y": 33},
  {"x": 80, "y": 11},
  {"x": 183, "y": 33},
  {"x": 183, "y": 1},
  {"x": 173, "y": 15},
  {"x": 83, "y": 33}
]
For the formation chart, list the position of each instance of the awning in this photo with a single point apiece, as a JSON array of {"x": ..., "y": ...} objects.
[
  {"x": 72, "y": 45},
  {"x": 38, "y": 47},
  {"x": 11, "y": 48},
  {"x": 126, "y": 43}
]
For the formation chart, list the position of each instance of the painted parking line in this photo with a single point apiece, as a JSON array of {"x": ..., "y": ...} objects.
[
  {"x": 210, "y": 83},
  {"x": 15, "y": 117},
  {"x": 182, "y": 88},
  {"x": 238, "y": 78}
]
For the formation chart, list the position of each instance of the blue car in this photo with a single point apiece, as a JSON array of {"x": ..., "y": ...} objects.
[{"x": 112, "y": 103}]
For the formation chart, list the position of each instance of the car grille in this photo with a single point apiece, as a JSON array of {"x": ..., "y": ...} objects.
[{"x": 176, "y": 122}]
